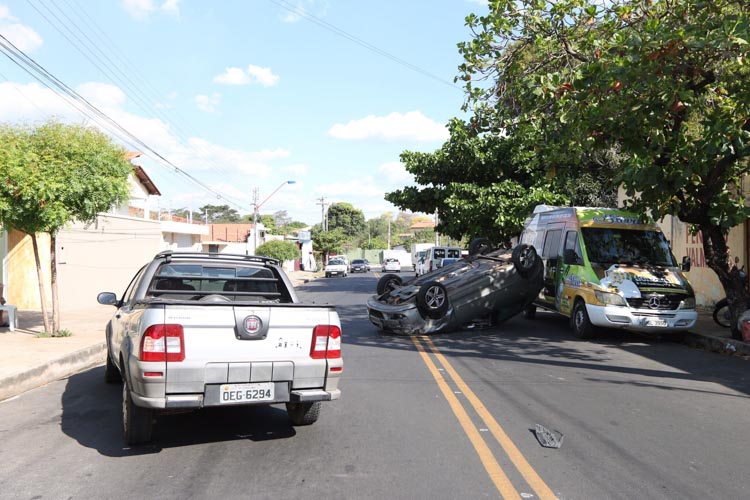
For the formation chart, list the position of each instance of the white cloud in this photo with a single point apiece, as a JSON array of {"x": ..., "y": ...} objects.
[
  {"x": 23, "y": 37},
  {"x": 395, "y": 173},
  {"x": 142, "y": 9},
  {"x": 264, "y": 76},
  {"x": 102, "y": 94},
  {"x": 412, "y": 126},
  {"x": 298, "y": 169},
  {"x": 208, "y": 103},
  {"x": 253, "y": 74}
]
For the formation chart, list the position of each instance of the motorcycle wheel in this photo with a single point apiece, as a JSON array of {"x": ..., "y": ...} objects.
[{"x": 722, "y": 315}]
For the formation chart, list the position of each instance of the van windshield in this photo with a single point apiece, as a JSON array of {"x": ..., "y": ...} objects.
[{"x": 627, "y": 246}]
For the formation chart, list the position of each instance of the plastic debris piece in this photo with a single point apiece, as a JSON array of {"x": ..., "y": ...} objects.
[{"x": 548, "y": 438}]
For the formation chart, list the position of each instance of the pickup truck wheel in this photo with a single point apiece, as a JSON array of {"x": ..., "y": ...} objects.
[
  {"x": 432, "y": 300},
  {"x": 387, "y": 283},
  {"x": 524, "y": 258},
  {"x": 479, "y": 246},
  {"x": 111, "y": 373},
  {"x": 137, "y": 422},
  {"x": 303, "y": 413},
  {"x": 580, "y": 323}
]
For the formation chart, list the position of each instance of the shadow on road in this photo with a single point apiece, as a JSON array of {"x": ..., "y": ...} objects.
[{"x": 91, "y": 414}]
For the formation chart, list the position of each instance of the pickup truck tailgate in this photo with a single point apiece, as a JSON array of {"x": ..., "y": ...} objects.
[{"x": 241, "y": 344}]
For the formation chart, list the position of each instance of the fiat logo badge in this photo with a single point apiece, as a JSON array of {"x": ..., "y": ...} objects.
[{"x": 252, "y": 324}]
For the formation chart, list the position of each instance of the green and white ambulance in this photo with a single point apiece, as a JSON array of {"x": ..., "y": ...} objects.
[{"x": 605, "y": 267}]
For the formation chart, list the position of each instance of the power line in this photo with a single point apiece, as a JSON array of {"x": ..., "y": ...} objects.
[
  {"x": 38, "y": 72},
  {"x": 338, "y": 31}
]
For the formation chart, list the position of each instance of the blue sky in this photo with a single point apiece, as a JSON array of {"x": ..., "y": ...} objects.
[{"x": 247, "y": 94}]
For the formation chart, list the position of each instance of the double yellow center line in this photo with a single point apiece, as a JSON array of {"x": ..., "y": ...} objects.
[{"x": 496, "y": 473}]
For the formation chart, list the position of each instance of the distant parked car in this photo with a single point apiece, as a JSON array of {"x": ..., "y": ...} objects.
[
  {"x": 336, "y": 267},
  {"x": 360, "y": 266},
  {"x": 391, "y": 265},
  {"x": 492, "y": 285}
]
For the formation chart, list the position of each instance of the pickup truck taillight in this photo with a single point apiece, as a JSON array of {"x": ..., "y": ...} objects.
[
  {"x": 163, "y": 343},
  {"x": 326, "y": 342}
]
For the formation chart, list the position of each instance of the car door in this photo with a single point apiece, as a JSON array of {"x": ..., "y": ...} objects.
[
  {"x": 551, "y": 258},
  {"x": 122, "y": 320}
]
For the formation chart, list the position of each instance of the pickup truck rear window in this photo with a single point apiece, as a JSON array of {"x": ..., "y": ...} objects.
[{"x": 194, "y": 281}]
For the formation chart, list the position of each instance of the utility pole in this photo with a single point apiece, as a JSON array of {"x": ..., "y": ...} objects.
[{"x": 323, "y": 217}]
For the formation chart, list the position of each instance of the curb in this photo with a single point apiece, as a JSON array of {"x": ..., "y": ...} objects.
[
  {"x": 56, "y": 369},
  {"x": 716, "y": 344}
]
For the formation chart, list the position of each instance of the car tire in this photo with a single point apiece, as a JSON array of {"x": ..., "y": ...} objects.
[
  {"x": 388, "y": 282},
  {"x": 529, "y": 312},
  {"x": 328, "y": 275},
  {"x": 580, "y": 322},
  {"x": 432, "y": 300},
  {"x": 111, "y": 372},
  {"x": 479, "y": 246},
  {"x": 524, "y": 259},
  {"x": 303, "y": 413},
  {"x": 137, "y": 422}
]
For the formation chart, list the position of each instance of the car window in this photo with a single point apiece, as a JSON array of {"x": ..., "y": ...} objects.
[{"x": 127, "y": 297}]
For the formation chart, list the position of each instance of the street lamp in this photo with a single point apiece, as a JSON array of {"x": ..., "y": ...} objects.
[{"x": 256, "y": 209}]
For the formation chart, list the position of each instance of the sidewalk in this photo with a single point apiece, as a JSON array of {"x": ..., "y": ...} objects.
[{"x": 27, "y": 362}]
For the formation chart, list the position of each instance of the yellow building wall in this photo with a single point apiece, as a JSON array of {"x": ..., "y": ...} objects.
[{"x": 22, "y": 283}]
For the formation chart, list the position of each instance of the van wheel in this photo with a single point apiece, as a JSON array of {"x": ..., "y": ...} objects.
[
  {"x": 479, "y": 246},
  {"x": 524, "y": 258},
  {"x": 137, "y": 422},
  {"x": 388, "y": 283},
  {"x": 529, "y": 311},
  {"x": 303, "y": 413},
  {"x": 432, "y": 300},
  {"x": 580, "y": 323}
]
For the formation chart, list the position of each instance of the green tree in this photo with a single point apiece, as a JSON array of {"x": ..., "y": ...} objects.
[
  {"x": 281, "y": 250},
  {"x": 347, "y": 218},
  {"x": 480, "y": 185},
  {"x": 329, "y": 242},
  {"x": 52, "y": 175},
  {"x": 666, "y": 84},
  {"x": 269, "y": 222},
  {"x": 218, "y": 214}
]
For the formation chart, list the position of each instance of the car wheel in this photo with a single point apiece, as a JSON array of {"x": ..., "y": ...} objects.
[
  {"x": 524, "y": 258},
  {"x": 479, "y": 246},
  {"x": 529, "y": 311},
  {"x": 303, "y": 413},
  {"x": 328, "y": 275},
  {"x": 111, "y": 373},
  {"x": 387, "y": 283},
  {"x": 432, "y": 300},
  {"x": 137, "y": 422},
  {"x": 580, "y": 323}
]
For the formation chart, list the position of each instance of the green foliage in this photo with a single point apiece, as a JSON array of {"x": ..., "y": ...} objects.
[
  {"x": 281, "y": 250},
  {"x": 55, "y": 173},
  {"x": 329, "y": 242},
  {"x": 219, "y": 214},
  {"x": 347, "y": 218}
]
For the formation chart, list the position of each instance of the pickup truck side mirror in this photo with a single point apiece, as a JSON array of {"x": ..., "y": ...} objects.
[
  {"x": 685, "y": 264},
  {"x": 571, "y": 257},
  {"x": 107, "y": 299}
]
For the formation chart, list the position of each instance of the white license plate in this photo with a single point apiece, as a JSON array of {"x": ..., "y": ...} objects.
[
  {"x": 246, "y": 393},
  {"x": 656, "y": 322}
]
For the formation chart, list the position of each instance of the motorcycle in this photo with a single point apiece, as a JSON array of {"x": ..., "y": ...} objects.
[{"x": 722, "y": 315}]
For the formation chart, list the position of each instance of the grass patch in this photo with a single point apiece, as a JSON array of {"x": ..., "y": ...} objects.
[{"x": 60, "y": 333}]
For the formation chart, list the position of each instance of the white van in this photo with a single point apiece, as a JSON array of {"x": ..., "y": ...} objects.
[{"x": 433, "y": 256}]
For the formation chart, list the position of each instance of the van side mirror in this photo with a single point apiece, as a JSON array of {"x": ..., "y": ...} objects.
[
  {"x": 570, "y": 257},
  {"x": 685, "y": 264}
]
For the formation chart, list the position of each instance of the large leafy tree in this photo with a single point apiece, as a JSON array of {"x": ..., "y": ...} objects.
[
  {"x": 329, "y": 242},
  {"x": 217, "y": 214},
  {"x": 53, "y": 174},
  {"x": 347, "y": 218},
  {"x": 664, "y": 83},
  {"x": 281, "y": 250}
]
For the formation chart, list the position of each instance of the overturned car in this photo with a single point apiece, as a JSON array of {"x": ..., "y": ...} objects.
[{"x": 491, "y": 285}]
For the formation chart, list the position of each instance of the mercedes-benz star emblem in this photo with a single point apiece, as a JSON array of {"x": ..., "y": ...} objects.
[{"x": 654, "y": 302}]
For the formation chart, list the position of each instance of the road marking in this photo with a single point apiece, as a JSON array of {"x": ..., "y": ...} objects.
[
  {"x": 496, "y": 473},
  {"x": 527, "y": 471}
]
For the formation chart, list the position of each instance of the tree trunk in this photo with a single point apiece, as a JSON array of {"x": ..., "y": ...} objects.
[
  {"x": 53, "y": 281},
  {"x": 42, "y": 295},
  {"x": 718, "y": 258}
]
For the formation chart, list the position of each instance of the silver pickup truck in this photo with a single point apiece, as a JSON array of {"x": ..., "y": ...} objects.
[{"x": 198, "y": 329}]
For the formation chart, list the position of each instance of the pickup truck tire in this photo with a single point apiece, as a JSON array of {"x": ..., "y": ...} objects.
[
  {"x": 137, "y": 422},
  {"x": 479, "y": 246},
  {"x": 387, "y": 283},
  {"x": 111, "y": 372},
  {"x": 303, "y": 413}
]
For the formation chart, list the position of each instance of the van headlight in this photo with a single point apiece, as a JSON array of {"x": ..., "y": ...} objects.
[
  {"x": 611, "y": 299},
  {"x": 688, "y": 303}
]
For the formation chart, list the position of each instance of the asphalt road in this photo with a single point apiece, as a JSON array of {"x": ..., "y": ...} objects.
[{"x": 449, "y": 416}]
